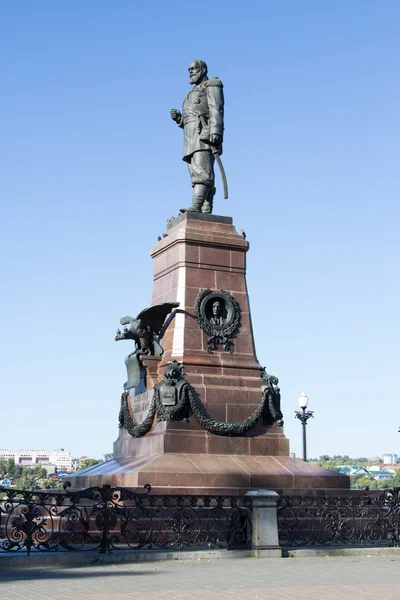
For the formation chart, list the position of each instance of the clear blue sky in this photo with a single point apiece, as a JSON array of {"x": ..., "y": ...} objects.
[{"x": 90, "y": 170}]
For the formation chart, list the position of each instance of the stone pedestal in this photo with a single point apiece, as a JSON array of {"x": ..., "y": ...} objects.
[
  {"x": 265, "y": 539},
  {"x": 205, "y": 251}
]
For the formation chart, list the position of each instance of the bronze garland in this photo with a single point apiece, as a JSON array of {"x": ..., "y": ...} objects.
[
  {"x": 268, "y": 408},
  {"x": 216, "y": 427},
  {"x": 221, "y": 427},
  {"x": 126, "y": 421}
]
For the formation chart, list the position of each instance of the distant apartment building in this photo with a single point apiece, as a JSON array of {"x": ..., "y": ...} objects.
[
  {"x": 389, "y": 459},
  {"x": 29, "y": 458}
]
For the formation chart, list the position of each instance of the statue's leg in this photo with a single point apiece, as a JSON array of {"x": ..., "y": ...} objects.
[
  {"x": 209, "y": 199},
  {"x": 200, "y": 192},
  {"x": 202, "y": 176},
  {"x": 208, "y": 204}
]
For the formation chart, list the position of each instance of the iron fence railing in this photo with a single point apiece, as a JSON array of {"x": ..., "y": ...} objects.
[
  {"x": 106, "y": 519},
  {"x": 348, "y": 520},
  {"x": 112, "y": 518}
]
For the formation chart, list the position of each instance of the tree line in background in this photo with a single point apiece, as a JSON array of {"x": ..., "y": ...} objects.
[
  {"x": 359, "y": 480},
  {"x": 26, "y": 478},
  {"x": 29, "y": 478},
  {"x": 36, "y": 476},
  {"x": 90, "y": 462}
]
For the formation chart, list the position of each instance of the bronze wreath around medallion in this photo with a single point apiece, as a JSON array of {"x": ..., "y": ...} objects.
[{"x": 218, "y": 314}]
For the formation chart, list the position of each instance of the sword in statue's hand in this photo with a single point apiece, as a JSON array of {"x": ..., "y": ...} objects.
[
  {"x": 222, "y": 170},
  {"x": 214, "y": 149}
]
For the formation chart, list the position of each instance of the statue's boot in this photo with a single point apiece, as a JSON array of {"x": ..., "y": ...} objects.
[
  {"x": 200, "y": 192},
  {"x": 207, "y": 207}
]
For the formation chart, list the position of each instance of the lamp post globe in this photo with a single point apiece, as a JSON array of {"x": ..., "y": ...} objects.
[{"x": 303, "y": 400}]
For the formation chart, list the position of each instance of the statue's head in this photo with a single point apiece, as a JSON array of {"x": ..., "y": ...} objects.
[
  {"x": 197, "y": 71},
  {"x": 216, "y": 308}
]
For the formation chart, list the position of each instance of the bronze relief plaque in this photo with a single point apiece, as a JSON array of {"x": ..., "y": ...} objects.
[{"x": 218, "y": 315}]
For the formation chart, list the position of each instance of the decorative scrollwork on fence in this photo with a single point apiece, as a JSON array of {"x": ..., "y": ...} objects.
[
  {"x": 352, "y": 520},
  {"x": 109, "y": 519}
]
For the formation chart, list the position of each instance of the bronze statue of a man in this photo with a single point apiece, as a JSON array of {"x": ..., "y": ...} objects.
[{"x": 202, "y": 121}]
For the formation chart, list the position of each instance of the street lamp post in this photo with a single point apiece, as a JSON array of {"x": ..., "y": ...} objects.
[{"x": 303, "y": 416}]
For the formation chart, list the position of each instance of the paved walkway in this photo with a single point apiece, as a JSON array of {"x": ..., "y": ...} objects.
[{"x": 336, "y": 578}]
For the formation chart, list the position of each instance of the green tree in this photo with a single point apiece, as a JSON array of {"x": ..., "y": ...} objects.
[
  {"x": 324, "y": 458},
  {"x": 108, "y": 456},
  {"x": 396, "y": 479},
  {"x": 88, "y": 462},
  {"x": 3, "y": 467},
  {"x": 384, "y": 484},
  {"x": 362, "y": 482},
  {"x": 13, "y": 470},
  {"x": 39, "y": 471},
  {"x": 48, "y": 484},
  {"x": 25, "y": 483}
]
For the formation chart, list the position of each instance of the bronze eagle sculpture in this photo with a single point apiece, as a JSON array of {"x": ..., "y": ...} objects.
[{"x": 143, "y": 331}]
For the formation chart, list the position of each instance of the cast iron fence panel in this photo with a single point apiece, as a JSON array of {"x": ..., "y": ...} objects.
[
  {"x": 113, "y": 518},
  {"x": 351, "y": 520}
]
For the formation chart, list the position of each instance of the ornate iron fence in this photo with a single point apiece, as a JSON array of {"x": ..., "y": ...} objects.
[
  {"x": 352, "y": 520},
  {"x": 107, "y": 519}
]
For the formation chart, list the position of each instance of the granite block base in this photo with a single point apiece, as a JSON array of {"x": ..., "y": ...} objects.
[
  {"x": 205, "y": 252},
  {"x": 210, "y": 474}
]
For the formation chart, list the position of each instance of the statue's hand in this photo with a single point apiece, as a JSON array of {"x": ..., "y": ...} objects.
[
  {"x": 215, "y": 139},
  {"x": 175, "y": 114}
]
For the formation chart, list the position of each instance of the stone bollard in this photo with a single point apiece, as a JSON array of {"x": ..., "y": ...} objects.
[{"x": 265, "y": 541}]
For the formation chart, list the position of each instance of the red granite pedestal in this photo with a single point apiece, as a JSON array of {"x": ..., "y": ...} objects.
[{"x": 205, "y": 251}]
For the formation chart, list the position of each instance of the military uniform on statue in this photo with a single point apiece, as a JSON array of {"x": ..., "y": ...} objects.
[{"x": 202, "y": 120}]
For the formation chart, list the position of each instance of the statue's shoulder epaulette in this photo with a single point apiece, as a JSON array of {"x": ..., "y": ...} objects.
[{"x": 214, "y": 81}]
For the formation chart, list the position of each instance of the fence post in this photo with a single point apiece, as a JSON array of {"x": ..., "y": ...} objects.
[{"x": 265, "y": 541}]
